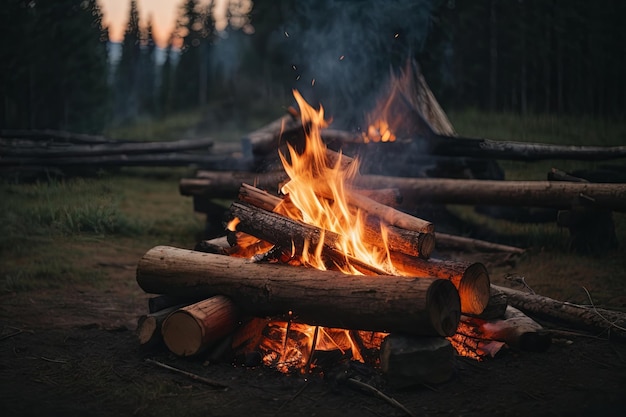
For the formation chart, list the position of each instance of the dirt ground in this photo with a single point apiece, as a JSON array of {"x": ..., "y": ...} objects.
[{"x": 73, "y": 351}]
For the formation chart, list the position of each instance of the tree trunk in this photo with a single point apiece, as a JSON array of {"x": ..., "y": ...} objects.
[
  {"x": 554, "y": 194},
  {"x": 191, "y": 329},
  {"x": 603, "y": 322},
  {"x": 421, "y": 306}
]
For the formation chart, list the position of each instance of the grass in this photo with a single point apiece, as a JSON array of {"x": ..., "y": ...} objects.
[{"x": 53, "y": 231}]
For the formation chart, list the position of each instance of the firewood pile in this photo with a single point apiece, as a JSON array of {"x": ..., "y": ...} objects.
[{"x": 289, "y": 286}]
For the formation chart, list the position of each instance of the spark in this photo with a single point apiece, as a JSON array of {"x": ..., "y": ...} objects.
[
  {"x": 286, "y": 34},
  {"x": 396, "y": 35},
  {"x": 297, "y": 78},
  {"x": 312, "y": 82},
  {"x": 341, "y": 57},
  {"x": 293, "y": 67}
]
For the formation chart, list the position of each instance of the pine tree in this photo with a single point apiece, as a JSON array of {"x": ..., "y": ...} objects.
[
  {"x": 59, "y": 62},
  {"x": 127, "y": 72},
  {"x": 166, "y": 85},
  {"x": 187, "y": 90},
  {"x": 147, "y": 76}
]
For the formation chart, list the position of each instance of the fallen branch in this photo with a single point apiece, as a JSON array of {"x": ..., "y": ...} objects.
[{"x": 193, "y": 376}]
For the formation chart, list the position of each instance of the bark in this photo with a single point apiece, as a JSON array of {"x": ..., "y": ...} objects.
[
  {"x": 191, "y": 329},
  {"x": 601, "y": 321},
  {"x": 102, "y": 149},
  {"x": 420, "y": 306},
  {"x": 470, "y": 279},
  {"x": 398, "y": 239},
  {"x": 556, "y": 194}
]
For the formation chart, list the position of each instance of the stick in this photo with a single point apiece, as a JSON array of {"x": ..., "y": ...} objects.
[
  {"x": 379, "y": 394},
  {"x": 189, "y": 374}
]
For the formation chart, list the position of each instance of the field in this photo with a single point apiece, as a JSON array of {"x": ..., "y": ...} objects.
[{"x": 69, "y": 303}]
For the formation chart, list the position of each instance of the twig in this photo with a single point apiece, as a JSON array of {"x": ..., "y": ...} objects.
[
  {"x": 612, "y": 323},
  {"x": 380, "y": 394},
  {"x": 520, "y": 280},
  {"x": 189, "y": 374}
]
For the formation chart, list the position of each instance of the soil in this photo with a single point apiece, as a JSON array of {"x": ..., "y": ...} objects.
[{"x": 73, "y": 351}]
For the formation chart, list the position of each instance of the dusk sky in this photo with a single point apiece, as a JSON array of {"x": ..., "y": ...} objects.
[{"x": 163, "y": 12}]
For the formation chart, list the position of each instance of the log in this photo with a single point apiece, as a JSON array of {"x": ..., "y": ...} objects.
[
  {"x": 53, "y": 135},
  {"x": 447, "y": 241},
  {"x": 601, "y": 321},
  {"x": 215, "y": 162},
  {"x": 399, "y": 240},
  {"x": 420, "y": 306},
  {"x": 516, "y": 329},
  {"x": 149, "y": 326},
  {"x": 55, "y": 150},
  {"x": 496, "y": 307},
  {"x": 556, "y": 194},
  {"x": 521, "y": 151},
  {"x": 191, "y": 329},
  {"x": 267, "y": 138},
  {"x": 471, "y": 279}
]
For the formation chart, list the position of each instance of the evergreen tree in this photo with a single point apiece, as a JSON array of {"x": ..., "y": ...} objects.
[
  {"x": 58, "y": 64},
  {"x": 127, "y": 72},
  {"x": 147, "y": 69},
  {"x": 166, "y": 85},
  {"x": 188, "y": 71}
]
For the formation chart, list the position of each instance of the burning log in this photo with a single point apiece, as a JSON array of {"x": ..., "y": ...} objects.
[
  {"x": 470, "y": 279},
  {"x": 191, "y": 329},
  {"x": 556, "y": 194},
  {"x": 602, "y": 321},
  {"x": 419, "y": 306},
  {"x": 516, "y": 329},
  {"x": 400, "y": 240}
]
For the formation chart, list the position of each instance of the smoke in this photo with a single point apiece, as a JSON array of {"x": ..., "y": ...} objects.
[{"x": 342, "y": 51}]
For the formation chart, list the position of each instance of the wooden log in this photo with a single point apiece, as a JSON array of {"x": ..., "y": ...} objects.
[
  {"x": 420, "y": 306},
  {"x": 604, "y": 322},
  {"x": 470, "y": 279},
  {"x": 162, "y": 159},
  {"x": 149, "y": 326},
  {"x": 266, "y": 139},
  {"x": 516, "y": 329},
  {"x": 291, "y": 234},
  {"x": 447, "y": 241},
  {"x": 556, "y": 194},
  {"x": 53, "y": 135},
  {"x": 191, "y": 329},
  {"x": 164, "y": 301},
  {"x": 103, "y": 149},
  {"x": 496, "y": 307},
  {"x": 399, "y": 240}
]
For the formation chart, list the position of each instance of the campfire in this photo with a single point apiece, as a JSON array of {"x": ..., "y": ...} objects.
[{"x": 320, "y": 267}]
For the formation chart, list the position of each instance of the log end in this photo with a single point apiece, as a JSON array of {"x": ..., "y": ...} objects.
[
  {"x": 444, "y": 304},
  {"x": 474, "y": 289},
  {"x": 426, "y": 245},
  {"x": 146, "y": 329},
  {"x": 182, "y": 334}
]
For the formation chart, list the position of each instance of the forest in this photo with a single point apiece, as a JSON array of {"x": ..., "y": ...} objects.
[{"x": 562, "y": 57}]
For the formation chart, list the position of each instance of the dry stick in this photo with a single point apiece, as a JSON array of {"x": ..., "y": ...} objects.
[
  {"x": 612, "y": 323},
  {"x": 190, "y": 375},
  {"x": 380, "y": 394},
  {"x": 451, "y": 241}
]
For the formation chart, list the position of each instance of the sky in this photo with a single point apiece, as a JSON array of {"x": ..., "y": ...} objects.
[{"x": 163, "y": 13}]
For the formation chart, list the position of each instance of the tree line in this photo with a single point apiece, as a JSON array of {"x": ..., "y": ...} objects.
[{"x": 544, "y": 56}]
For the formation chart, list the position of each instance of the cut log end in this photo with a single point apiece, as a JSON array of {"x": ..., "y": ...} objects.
[
  {"x": 444, "y": 305},
  {"x": 192, "y": 329},
  {"x": 146, "y": 327},
  {"x": 474, "y": 289},
  {"x": 426, "y": 245}
]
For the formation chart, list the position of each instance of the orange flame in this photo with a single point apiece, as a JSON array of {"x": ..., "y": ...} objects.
[{"x": 317, "y": 195}]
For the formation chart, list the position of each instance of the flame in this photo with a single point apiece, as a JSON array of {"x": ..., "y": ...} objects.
[{"x": 316, "y": 195}]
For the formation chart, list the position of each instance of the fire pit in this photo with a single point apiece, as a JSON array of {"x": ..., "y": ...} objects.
[{"x": 319, "y": 265}]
